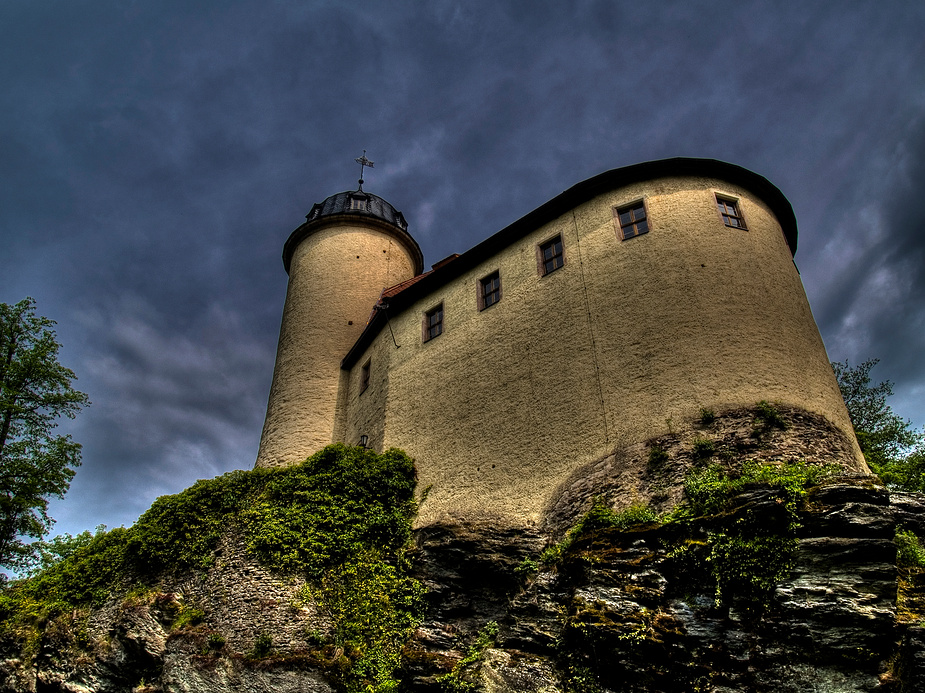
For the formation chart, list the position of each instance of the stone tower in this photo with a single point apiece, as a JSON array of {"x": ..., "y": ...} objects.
[{"x": 351, "y": 247}]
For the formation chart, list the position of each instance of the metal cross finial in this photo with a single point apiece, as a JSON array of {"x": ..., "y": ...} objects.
[{"x": 363, "y": 161}]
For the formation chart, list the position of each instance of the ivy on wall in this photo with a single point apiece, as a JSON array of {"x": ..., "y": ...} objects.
[{"x": 341, "y": 520}]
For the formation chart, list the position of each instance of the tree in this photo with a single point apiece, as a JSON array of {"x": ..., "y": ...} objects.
[
  {"x": 35, "y": 464},
  {"x": 46, "y": 554},
  {"x": 892, "y": 448}
]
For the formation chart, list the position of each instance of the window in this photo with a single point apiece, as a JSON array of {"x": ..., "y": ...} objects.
[
  {"x": 489, "y": 290},
  {"x": 364, "y": 377},
  {"x": 632, "y": 220},
  {"x": 729, "y": 211},
  {"x": 433, "y": 323},
  {"x": 358, "y": 203},
  {"x": 550, "y": 256}
]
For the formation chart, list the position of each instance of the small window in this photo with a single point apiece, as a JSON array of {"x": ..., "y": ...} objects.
[
  {"x": 632, "y": 220},
  {"x": 433, "y": 323},
  {"x": 729, "y": 211},
  {"x": 489, "y": 290},
  {"x": 550, "y": 256},
  {"x": 358, "y": 203},
  {"x": 364, "y": 377}
]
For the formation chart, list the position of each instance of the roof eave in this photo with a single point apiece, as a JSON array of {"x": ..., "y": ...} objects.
[{"x": 569, "y": 199}]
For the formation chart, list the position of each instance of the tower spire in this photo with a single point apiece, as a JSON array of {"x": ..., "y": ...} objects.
[{"x": 363, "y": 162}]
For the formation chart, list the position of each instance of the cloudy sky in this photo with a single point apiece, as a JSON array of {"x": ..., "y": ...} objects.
[{"x": 154, "y": 156}]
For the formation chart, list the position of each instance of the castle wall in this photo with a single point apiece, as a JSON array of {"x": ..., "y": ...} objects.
[
  {"x": 361, "y": 410},
  {"x": 336, "y": 274},
  {"x": 626, "y": 338}
]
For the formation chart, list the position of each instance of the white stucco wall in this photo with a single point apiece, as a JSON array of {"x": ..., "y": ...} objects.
[
  {"x": 502, "y": 407},
  {"x": 336, "y": 275}
]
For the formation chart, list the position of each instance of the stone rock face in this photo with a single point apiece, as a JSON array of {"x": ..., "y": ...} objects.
[
  {"x": 632, "y": 610},
  {"x": 132, "y": 644},
  {"x": 629, "y": 475},
  {"x": 620, "y": 612}
]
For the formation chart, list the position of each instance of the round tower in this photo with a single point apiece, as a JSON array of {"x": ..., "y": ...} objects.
[{"x": 351, "y": 247}]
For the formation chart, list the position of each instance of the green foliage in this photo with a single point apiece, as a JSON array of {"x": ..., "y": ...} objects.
[
  {"x": 748, "y": 562},
  {"x": 46, "y": 554},
  {"x": 263, "y": 646},
  {"x": 84, "y": 578},
  {"x": 484, "y": 639},
  {"x": 216, "y": 641},
  {"x": 746, "y": 555},
  {"x": 336, "y": 505},
  {"x": 316, "y": 638},
  {"x": 657, "y": 456},
  {"x": 709, "y": 488},
  {"x": 454, "y": 681},
  {"x": 188, "y": 616},
  {"x": 552, "y": 554},
  {"x": 707, "y": 416},
  {"x": 600, "y": 516},
  {"x": 886, "y": 434},
  {"x": 704, "y": 448},
  {"x": 527, "y": 568},
  {"x": 793, "y": 477},
  {"x": 906, "y": 473},
  {"x": 35, "y": 464},
  {"x": 635, "y": 514},
  {"x": 179, "y": 532},
  {"x": 768, "y": 416},
  {"x": 341, "y": 520},
  {"x": 374, "y": 607},
  {"x": 580, "y": 679},
  {"x": 892, "y": 448},
  {"x": 750, "y": 557},
  {"x": 909, "y": 550}
]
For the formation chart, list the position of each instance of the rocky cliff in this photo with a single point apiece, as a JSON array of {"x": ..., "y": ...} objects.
[
  {"x": 639, "y": 609},
  {"x": 782, "y": 577}
]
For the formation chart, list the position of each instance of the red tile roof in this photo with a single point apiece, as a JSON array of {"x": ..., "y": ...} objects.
[{"x": 398, "y": 288}]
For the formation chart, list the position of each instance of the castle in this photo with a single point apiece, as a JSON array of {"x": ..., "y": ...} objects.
[{"x": 635, "y": 298}]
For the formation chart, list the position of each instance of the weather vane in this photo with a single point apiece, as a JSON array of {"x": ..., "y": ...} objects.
[{"x": 363, "y": 161}]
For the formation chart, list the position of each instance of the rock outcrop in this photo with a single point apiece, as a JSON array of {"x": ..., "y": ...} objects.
[
  {"x": 621, "y": 610},
  {"x": 776, "y": 588}
]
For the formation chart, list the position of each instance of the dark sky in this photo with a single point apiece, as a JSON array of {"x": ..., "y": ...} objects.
[{"x": 154, "y": 156}]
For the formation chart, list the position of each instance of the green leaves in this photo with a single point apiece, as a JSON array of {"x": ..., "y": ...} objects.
[
  {"x": 373, "y": 605},
  {"x": 341, "y": 520},
  {"x": 83, "y": 578},
  {"x": 909, "y": 550},
  {"x": 455, "y": 681},
  {"x": 179, "y": 532},
  {"x": 341, "y": 502},
  {"x": 709, "y": 488},
  {"x": 748, "y": 557},
  {"x": 892, "y": 448},
  {"x": 35, "y": 464},
  {"x": 599, "y": 516}
]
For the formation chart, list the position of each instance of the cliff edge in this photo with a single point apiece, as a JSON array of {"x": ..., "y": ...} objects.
[{"x": 722, "y": 568}]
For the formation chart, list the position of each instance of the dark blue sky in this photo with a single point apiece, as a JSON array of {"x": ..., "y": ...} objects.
[{"x": 155, "y": 155}]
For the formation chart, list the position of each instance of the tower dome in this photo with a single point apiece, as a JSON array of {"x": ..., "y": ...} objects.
[
  {"x": 355, "y": 203},
  {"x": 352, "y": 246},
  {"x": 361, "y": 203}
]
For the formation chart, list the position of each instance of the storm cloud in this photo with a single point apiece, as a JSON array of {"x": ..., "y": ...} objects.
[{"x": 155, "y": 156}]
